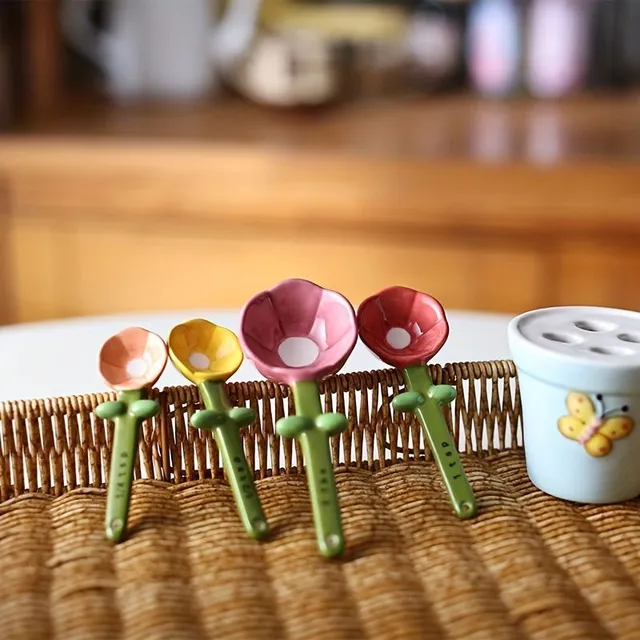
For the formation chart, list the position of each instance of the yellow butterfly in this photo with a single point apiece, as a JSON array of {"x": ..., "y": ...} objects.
[{"x": 595, "y": 432}]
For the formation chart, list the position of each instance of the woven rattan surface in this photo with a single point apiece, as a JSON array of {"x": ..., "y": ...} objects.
[{"x": 528, "y": 566}]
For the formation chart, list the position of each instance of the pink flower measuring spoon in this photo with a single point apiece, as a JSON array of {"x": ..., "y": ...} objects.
[{"x": 298, "y": 333}]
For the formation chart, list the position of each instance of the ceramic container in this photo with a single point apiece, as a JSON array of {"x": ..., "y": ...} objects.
[
  {"x": 579, "y": 376},
  {"x": 161, "y": 49}
]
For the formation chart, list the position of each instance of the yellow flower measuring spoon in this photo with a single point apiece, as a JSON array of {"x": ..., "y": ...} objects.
[
  {"x": 208, "y": 355},
  {"x": 130, "y": 362}
]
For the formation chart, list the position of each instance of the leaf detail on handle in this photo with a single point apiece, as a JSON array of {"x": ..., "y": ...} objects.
[
  {"x": 407, "y": 401},
  {"x": 443, "y": 393},
  {"x": 242, "y": 416},
  {"x": 208, "y": 419},
  {"x": 332, "y": 423},
  {"x": 111, "y": 410},
  {"x": 293, "y": 426},
  {"x": 144, "y": 409}
]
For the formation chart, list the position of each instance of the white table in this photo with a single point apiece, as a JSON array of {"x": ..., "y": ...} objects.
[{"x": 59, "y": 358}]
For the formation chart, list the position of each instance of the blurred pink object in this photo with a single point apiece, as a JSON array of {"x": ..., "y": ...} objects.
[
  {"x": 132, "y": 359},
  {"x": 276, "y": 324},
  {"x": 403, "y": 327},
  {"x": 558, "y": 40}
]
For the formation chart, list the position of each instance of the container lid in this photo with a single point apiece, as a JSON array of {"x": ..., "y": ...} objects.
[{"x": 596, "y": 347}]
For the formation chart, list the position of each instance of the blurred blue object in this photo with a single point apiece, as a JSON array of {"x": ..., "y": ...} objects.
[{"x": 494, "y": 47}]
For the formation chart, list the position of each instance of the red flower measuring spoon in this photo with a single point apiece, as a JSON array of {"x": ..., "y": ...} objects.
[{"x": 405, "y": 329}]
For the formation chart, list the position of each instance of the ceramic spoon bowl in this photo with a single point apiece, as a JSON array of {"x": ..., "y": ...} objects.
[
  {"x": 208, "y": 355},
  {"x": 297, "y": 333},
  {"x": 132, "y": 359},
  {"x": 130, "y": 362},
  {"x": 203, "y": 351},
  {"x": 402, "y": 327}
]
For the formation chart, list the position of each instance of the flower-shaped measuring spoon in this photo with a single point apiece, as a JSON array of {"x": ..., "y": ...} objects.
[
  {"x": 298, "y": 333},
  {"x": 130, "y": 362},
  {"x": 405, "y": 329},
  {"x": 208, "y": 355}
]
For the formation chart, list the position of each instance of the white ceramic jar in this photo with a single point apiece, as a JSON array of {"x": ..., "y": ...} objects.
[{"x": 579, "y": 376}]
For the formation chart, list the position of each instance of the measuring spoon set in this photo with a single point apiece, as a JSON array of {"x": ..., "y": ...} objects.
[{"x": 296, "y": 333}]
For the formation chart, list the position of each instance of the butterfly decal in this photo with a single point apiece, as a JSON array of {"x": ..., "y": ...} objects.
[{"x": 595, "y": 431}]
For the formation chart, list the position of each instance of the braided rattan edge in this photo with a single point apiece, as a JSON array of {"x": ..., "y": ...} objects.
[{"x": 53, "y": 445}]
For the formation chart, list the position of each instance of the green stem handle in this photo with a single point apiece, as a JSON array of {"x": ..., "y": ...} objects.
[
  {"x": 128, "y": 413},
  {"x": 240, "y": 479},
  {"x": 313, "y": 430},
  {"x": 125, "y": 440},
  {"x": 225, "y": 421},
  {"x": 427, "y": 399},
  {"x": 323, "y": 493}
]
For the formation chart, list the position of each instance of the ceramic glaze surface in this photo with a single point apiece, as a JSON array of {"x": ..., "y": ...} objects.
[
  {"x": 201, "y": 351},
  {"x": 563, "y": 467},
  {"x": 298, "y": 309},
  {"x": 579, "y": 376},
  {"x": 602, "y": 335},
  {"x": 597, "y": 345},
  {"x": 403, "y": 327},
  {"x": 132, "y": 359}
]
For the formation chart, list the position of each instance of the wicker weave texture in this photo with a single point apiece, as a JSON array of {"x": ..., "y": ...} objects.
[{"x": 528, "y": 566}]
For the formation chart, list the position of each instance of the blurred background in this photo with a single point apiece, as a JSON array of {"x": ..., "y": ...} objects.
[{"x": 172, "y": 154}]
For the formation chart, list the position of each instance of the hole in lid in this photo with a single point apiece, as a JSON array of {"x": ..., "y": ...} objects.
[
  {"x": 565, "y": 338},
  {"x": 629, "y": 337},
  {"x": 298, "y": 352},
  {"x": 199, "y": 361},
  {"x": 595, "y": 326},
  {"x": 136, "y": 367},
  {"x": 398, "y": 338},
  {"x": 611, "y": 351}
]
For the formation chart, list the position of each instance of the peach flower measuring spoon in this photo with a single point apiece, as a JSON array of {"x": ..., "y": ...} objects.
[
  {"x": 208, "y": 355},
  {"x": 405, "y": 329},
  {"x": 298, "y": 333},
  {"x": 130, "y": 362}
]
